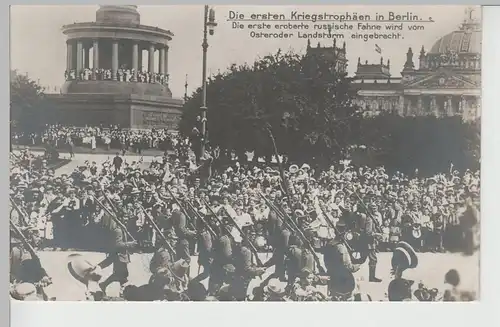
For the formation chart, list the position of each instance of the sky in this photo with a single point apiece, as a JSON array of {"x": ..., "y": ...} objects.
[{"x": 38, "y": 45}]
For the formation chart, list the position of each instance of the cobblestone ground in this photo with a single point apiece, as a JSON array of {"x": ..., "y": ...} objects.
[{"x": 431, "y": 270}]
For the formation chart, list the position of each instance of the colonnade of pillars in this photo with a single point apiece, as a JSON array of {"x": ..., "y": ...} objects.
[
  {"x": 114, "y": 55},
  {"x": 439, "y": 105}
]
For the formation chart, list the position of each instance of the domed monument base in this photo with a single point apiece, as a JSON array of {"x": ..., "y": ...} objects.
[{"x": 106, "y": 82}]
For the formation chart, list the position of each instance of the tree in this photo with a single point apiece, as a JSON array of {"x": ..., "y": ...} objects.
[
  {"x": 304, "y": 99},
  {"x": 426, "y": 143},
  {"x": 27, "y": 100}
]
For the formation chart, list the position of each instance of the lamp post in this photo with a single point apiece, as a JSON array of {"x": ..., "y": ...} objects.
[{"x": 208, "y": 26}]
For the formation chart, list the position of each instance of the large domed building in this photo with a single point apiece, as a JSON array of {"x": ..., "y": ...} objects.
[
  {"x": 116, "y": 73},
  {"x": 447, "y": 81}
]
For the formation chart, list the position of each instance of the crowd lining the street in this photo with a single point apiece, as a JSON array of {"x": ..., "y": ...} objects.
[
  {"x": 421, "y": 211},
  {"x": 93, "y": 137}
]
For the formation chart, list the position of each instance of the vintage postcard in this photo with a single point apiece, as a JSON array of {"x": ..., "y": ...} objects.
[{"x": 245, "y": 153}]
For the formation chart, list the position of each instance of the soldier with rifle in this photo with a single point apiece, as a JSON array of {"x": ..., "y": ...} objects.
[
  {"x": 245, "y": 270},
  {"x": 279, "y": 235},
  {"x": 369, "y": 239},
  {"x": 121, "y": 242},
  {"x": 339, "y": 264},
  {"x": 25, "y": 265},
  {"x": 205, "y": 248},
  {"x": 222, "y": 256},
  {"x": 183, "y": 233}
]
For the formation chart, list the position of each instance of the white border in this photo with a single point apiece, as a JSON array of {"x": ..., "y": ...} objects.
[{"x": 55, "y": 314}]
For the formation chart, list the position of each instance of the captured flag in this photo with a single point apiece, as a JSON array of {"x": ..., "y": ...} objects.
[{"x": 378, "y": 49}]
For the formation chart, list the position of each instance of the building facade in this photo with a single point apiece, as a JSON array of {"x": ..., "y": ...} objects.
[
  {"x": 117, "y": 73},
  {"x": 443, "y": 81}
]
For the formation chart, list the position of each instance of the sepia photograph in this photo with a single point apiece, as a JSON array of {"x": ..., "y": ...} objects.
[{"x": 245, "y": 153}]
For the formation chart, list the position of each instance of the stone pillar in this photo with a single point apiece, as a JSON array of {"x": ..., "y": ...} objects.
[
  {"x": 79, "y": 59},
  {"x": 401, "y": 105},
  {"x": 140, "y": 58},
  {"x": 409, "y": 109},
  {"x": 114, "y": 60},
  {"x": 420, "y": 105},
  {"x": 86, "y": 52},
  {"x": 462, "y": 106},
  {"x": 434, "y": 107},
  {"x": 449, "y": 106},
  {"x": 95, "y": 64},
  {"x": 161, "y": 61},
  {"x": 135, "y": 60},
  {"x": 166, "y": 59},
  {"x": 151, "y": 58},
  {"x": 69, "y": 56}
]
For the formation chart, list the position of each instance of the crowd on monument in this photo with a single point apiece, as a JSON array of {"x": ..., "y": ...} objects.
[
  {"x": 123, "y": 75},
  {"x": 112, "y": 137}
]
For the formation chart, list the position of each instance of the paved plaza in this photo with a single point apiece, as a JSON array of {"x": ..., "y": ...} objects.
[{"x": 431, "y": 270}]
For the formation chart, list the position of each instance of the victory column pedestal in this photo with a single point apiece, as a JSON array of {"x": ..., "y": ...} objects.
[{"x": 106, "y": 82}]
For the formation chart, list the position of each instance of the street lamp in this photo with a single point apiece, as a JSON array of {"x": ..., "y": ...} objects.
[{"x": 208, "y": 26}]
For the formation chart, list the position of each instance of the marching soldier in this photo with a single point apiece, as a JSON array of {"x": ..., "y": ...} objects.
[
  {"x": 279, "y": 236},
  {"x": 205, "y": 256},
  {"x": 118, "y": 255},
  {"x": 293, "y": 260},
  {"x": 339, "y": 265},
  {"x": 222, "y": 257},
  {"x": 183, "y": 233},
  {"x": 368, "y": 238},
  {"x": 245, "y": 270}
]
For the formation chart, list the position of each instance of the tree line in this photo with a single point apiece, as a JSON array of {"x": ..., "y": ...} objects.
[{"x": 310, "y": 108}]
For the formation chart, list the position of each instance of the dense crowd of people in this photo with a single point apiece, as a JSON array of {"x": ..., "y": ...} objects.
[
  {"x": 111, "y": 137},
  {"x": 420, "y": 211},
  {"x": 122, "y": 75},
  {"x": 75, "y": 211}
]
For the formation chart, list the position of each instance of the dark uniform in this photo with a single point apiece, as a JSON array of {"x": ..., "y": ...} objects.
[
  {"x": 18, "y": 253},
  {"x": 279, "y": 238},
  {"x": 205, "y": 256},
  {"x": 367, "y": 231},
  {"x": 245, "y": 271},
  {"x": 222, "y": 254},
  {"x": 118, "y": 255},
  {"x": 294, "y": 260},
  {"x": 339, "y": 267},
  {"x": 179, "y": 222}
]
